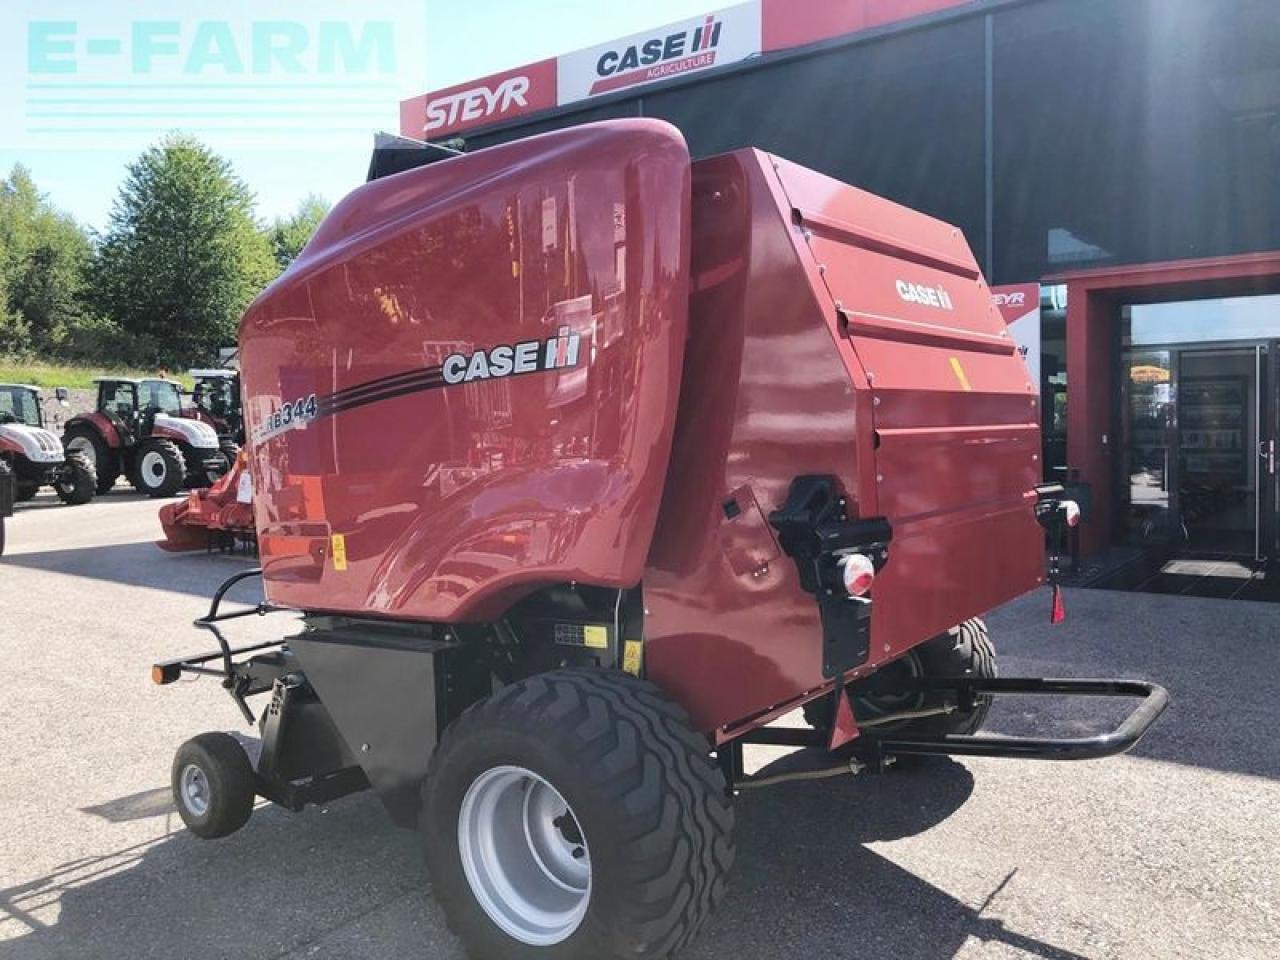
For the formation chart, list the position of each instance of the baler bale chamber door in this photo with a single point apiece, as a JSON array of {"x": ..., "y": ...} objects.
[{"x": 956, "y": 418}]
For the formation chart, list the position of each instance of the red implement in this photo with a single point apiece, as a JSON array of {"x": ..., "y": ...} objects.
[{"x": 211, "y": 516}]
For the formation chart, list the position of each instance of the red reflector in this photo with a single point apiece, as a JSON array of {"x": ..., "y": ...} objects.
[
  {"x": 858, "y": 573},
  {"x": 1059, "y": 611}
]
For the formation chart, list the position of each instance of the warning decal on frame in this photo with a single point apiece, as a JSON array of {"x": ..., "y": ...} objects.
[{"x": 339, "y": 543}]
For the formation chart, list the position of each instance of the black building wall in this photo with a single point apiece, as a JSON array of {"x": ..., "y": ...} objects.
[{"x": 1056, "y": 133}]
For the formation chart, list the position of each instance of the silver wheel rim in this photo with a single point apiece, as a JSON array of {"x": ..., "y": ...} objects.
[
  {"x": 153, "y": 468},
  {"x": 193, "y": 788},
  {"x": 82, "y": 446},
  {"x": 524, "y": 855}
]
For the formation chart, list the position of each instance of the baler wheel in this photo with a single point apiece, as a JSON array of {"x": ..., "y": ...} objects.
[
  {"x": 213, "y": 785},
  {"x": 79, "y": 482},
  {"x": 576, "y": 814},
  {"x": 159, "y": 468},
  {"x": 965, "y": 650}
]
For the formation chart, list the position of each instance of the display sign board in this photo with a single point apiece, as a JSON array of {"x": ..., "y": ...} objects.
[
  {"x": 1019, "y": 306},
  {"x": 476, "y": 103},
  {"x": 717, "y": 38},
  {"x": 689, "y": 46}
]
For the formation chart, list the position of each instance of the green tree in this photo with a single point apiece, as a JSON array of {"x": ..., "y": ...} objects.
[
  {"x": 182, "y": 256},
  {"x": 44, "y": 255},
  {"x": 290, "y": 234}
]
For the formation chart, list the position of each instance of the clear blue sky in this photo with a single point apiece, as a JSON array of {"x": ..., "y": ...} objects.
[{"x": 85, "y": 85}]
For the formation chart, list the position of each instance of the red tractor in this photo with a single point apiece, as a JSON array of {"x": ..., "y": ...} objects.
[
  {"x": 138, "y": 429},
  {"x": 582, "y": 464},
  {"x": 34, "y": 455}
]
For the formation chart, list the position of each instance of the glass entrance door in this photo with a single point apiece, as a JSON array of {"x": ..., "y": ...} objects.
[
  {"x": 1218, "y": 430},
  {"x": 1199, "y": 426}
]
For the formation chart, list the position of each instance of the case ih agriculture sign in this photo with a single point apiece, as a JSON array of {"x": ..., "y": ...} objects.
[
  {"x": 713, "y": 39},
  {"x": 723, "y": 36},
  {"x": 716, "y": 38}
]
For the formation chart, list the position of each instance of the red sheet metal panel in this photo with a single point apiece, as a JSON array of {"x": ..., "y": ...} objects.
[
  {"x": 956, "y": 414},
  {"x": 805, "y": 356},
  {"x": 465, "y": 386}
]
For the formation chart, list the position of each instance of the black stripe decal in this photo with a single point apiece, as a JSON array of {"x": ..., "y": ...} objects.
[{"x": 384, "y": 382}]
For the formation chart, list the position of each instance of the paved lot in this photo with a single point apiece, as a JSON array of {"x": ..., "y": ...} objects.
[{"x": 1173, "y": 851}]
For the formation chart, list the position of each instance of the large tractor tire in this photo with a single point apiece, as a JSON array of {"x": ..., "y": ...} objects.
[
  {"x": 576, "y": 815},
  {"x": 158, "y": 468},
  {"x": 77, "y": 482},
  {"x": 25, "y": 491},
  {"x": 87, "y": 442},
  {"x": 963, "y": 651}
]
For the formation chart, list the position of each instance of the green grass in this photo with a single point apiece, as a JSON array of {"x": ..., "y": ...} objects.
[{"x": 50, "y": 375}]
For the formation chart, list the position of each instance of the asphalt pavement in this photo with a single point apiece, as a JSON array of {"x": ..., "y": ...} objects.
[{"x": 1171, "y": 851}]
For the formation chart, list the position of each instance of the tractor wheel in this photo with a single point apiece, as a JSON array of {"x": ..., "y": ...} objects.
[
  {"x": 230, "y": 449},
  {"x": 576, "y": 814},
  {"x": 25, "y": 492},
  {"x": 213, "y": 785},
  {"x": 963, "y": 651},
  {"x": 86, "y": 441},
  {"x": 77, "y": 482},
  {"x": 158, "y": 468}
]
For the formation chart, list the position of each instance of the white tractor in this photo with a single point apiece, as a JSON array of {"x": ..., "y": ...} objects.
[{"x": 34, "y": 455}]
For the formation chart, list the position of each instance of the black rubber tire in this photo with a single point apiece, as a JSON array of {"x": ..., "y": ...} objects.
[
  {"x": 79, "y": 481},
  {"x": 230, "y": 449},
  {"x": 649, "y": 800},
  {"x": 230, "y": 779},
  {"x": 25, "y": 491},
  {"x": 175, "y": 468},
  {"x": 105, "y": 464},
  {"x": 965, "y": 650}
]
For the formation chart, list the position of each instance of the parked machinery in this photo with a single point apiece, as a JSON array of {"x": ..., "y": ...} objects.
[
  {"x": 219, "y": 517},
  {"x": 584, "y": 463},
  {"x": 34, "y": 455},
  {"x": 138, "y": 429},
  {"x": 216, "y": 401},
  {"x": 6, "y": 499}
]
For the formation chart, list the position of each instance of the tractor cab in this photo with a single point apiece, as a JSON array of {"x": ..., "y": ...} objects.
[
  {"x": 127, "y": 403},
  {"x": 217, "y": 402},
  {"x": 20, "y": 404}
]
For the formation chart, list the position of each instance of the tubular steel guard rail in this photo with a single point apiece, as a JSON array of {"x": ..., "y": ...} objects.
[
  {"x": 170, "y": 670},
  {"x": 1154, "y": 700}
]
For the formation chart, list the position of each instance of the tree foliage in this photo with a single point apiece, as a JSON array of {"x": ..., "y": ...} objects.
[
  {"x": 44, "y": 254},
  {"x": 182, "y": 255},
  {"x": 290, "y": 234}
]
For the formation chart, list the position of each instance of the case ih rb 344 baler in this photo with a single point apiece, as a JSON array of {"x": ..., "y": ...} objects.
[{"x": 582, "y": 463}]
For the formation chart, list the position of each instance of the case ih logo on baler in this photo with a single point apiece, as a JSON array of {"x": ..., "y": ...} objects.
[{"x": 504, "y": 360}]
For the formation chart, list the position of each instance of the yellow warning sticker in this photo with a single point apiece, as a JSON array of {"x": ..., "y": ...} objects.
[
  {"x": 960, "y": 374},
  {"x": 339, "y": 543},
  {"x": 632, "y": 656},
  {"x": 596, "y": 637}
]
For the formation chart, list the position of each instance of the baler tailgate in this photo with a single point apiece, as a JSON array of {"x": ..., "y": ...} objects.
[{"x": 956, "y": 437}]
